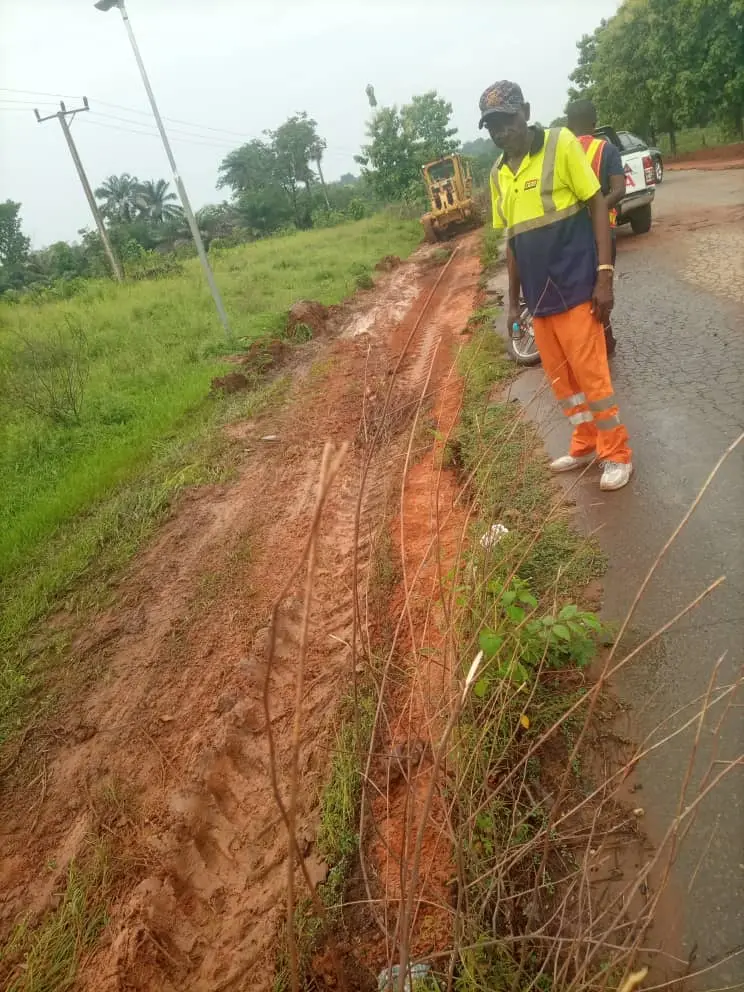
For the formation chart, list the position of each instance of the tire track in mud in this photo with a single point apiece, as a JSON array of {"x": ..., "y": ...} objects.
[
  {"x": 427, "y": 530},
  {"x": 176, "y": 716}
]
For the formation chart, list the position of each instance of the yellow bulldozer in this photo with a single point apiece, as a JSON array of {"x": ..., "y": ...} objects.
[{"x": 450, "y": 188}]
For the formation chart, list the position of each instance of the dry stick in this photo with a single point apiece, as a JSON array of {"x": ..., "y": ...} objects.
[
  {"x": 438, "y": 755},
  {"x": 642, "y": 588},
  {"x": 327, "y": 476},
  {"x": 397, "y": 630},
  {"x": 620, "y": 664},
  {"x": 671, "y": 540},
  {"x": 355, "y": 567},
  {"x": 297, "y": 726},
  {"x": 672, "y": 829},
  {"x": 683, "y": 791},
  {"x": 621, "y": 772},
  {"x": 545, "y": 736},
  {"x": 704, "y": 971},
  {"x": 716, "y": 731}
]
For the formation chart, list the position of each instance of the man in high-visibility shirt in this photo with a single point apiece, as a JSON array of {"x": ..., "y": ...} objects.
[
  {"x": 607, "y": 166},
  {"x": 559, "y": 255}
]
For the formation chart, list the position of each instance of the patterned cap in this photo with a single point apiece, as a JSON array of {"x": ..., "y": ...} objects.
[{"x": 503, "y": 97}]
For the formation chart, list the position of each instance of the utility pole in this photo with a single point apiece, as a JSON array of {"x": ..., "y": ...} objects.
[
  {"x": 62, "y": 115},
  {"x": 105, "y": 5}
]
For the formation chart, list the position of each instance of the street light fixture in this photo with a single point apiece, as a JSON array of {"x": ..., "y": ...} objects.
[{"x": 200, "y": 250}]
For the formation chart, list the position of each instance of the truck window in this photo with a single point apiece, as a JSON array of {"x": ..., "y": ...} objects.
[{"x": 442, "y": 170}]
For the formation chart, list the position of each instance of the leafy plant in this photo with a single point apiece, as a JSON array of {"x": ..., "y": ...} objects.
[{"x": 518, "y": 638}]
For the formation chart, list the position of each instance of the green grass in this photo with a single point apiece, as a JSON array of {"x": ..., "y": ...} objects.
[
  {"x": 510, "y": 604},
  {"x": 337, "y": 840},
  {"x": 694, "y": 138},
  {"x": 510, "y": 481},
  {"x": 46, "y": 957},
  {"x": 82, "y": 490},
  {"x": 490, "y": 247}
]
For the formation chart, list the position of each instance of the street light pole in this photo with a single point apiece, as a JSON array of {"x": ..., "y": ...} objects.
[{"x": 200, "y": 250}]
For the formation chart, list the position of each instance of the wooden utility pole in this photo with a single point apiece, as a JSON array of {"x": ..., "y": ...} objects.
[{"x": 62, "y": 114}]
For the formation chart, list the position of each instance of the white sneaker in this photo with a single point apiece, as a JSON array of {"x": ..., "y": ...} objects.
[
  {"x": 615, "y": 475},
  {"x": 566, "y": 463}
]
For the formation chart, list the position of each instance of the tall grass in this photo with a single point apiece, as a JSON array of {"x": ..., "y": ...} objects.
[{"x": 151, "y": 350}]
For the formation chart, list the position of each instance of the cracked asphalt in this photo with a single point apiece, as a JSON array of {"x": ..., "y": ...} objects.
[{"x": 679, "y": 376}]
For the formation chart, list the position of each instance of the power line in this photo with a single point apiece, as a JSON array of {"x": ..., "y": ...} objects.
[
  {"x": 141, "y": 124},
  {"x": 192, "y": 139},
  {"x": 27, "y": 103},
  {"x": 132, "y": 110},
  {"x": 175, "y": 120},
  {"x": 334, "y": 152},
  {"x": 56, "y": 96}
]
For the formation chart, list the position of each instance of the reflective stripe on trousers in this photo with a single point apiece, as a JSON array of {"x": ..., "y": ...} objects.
[{"x": 574, "y": 357}]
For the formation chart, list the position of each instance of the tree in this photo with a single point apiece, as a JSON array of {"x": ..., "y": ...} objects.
[
  {"x": 156, "y": 202},
  {"x": 294, "y": 142},
  {"x": 402, "y": 141},
  {"x": 251, "y": 167},
  {"x": 427, "y": 118},
  {"x": 59, "y": 261},
  {"x": 390, "y": 161},
  {"x": 583, "y": 75},
  {"x": 665, "y": 64},
  {"x": 264, "y": 211},
  {"x": 119, "y": 196},
  {"x": 262, "y": 171},
  {"x": 14, "y": 246},
  {"x": 717, "y": 27}
]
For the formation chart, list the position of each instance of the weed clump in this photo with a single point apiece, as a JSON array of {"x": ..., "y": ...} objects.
[{"x": 491, "y": 248}]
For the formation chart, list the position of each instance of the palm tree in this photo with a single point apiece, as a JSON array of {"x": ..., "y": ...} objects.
[
  {"x": 156, "y": 202},
  {"x": 119, "y": 194}
]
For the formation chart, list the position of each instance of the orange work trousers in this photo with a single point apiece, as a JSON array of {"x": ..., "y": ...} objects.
[{"x": 574, "y": 356}]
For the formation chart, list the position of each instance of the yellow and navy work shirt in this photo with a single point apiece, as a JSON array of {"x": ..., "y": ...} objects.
[{"x": 542, "y": 209}]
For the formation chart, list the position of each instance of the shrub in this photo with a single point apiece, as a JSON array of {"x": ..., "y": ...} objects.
[{"x": 48, "y": 375}]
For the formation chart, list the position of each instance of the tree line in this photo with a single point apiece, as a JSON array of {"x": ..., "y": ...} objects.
[
  {"x": 275, "y": 183},
  {"x": 660, "y": 65}
]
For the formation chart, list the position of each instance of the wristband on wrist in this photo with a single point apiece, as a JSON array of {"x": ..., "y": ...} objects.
[{"x": 605, "y": 268}]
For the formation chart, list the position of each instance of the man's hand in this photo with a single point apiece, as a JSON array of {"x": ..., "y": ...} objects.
[
  {"x": 513, "y": 316},
  {"x": 603, "y": 297}
]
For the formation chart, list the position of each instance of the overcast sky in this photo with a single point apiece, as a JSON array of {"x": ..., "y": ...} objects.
[{"x": 241, "y": 66}]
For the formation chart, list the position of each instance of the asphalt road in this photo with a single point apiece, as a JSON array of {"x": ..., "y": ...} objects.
[{"x": 679, "y": 375}]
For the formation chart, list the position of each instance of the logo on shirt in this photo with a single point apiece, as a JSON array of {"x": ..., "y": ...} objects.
[{"x": 530, "y": 184}]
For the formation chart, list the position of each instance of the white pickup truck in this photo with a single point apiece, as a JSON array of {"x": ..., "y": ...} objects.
[{"x": 640, "y": 178}]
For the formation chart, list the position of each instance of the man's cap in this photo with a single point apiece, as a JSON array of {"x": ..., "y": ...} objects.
[{"x": 503, "y": 97}]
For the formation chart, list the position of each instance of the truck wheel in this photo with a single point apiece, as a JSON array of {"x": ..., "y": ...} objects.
[
  {"x": 640, "y": 219},
  {"x": 658, "y": 170},
  {"x": 430, "y": 233}
]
